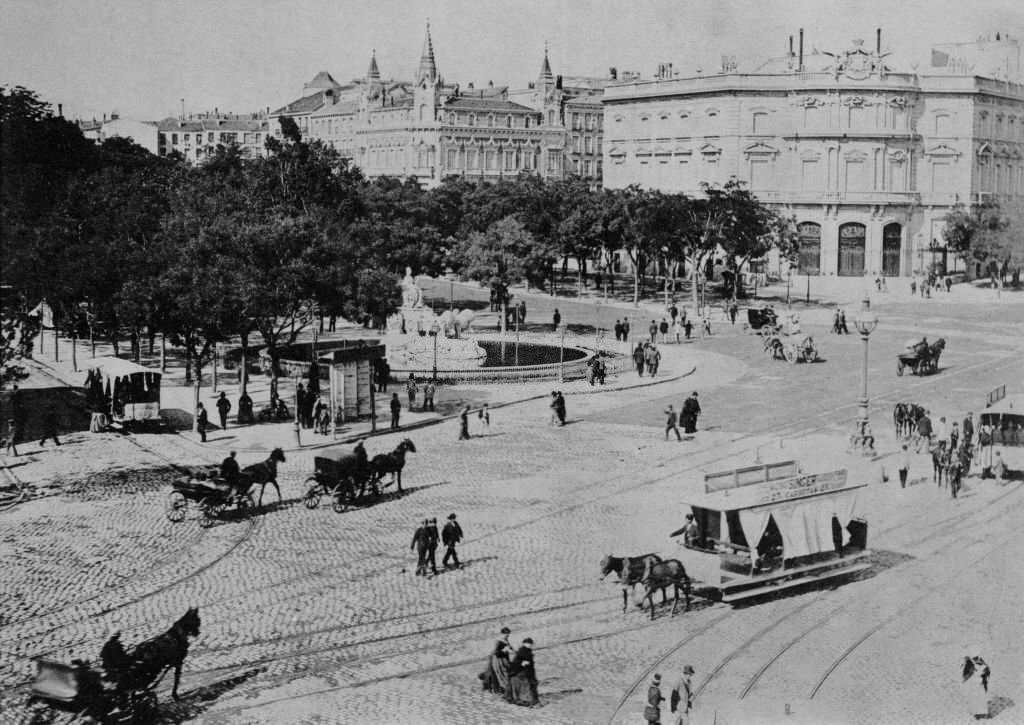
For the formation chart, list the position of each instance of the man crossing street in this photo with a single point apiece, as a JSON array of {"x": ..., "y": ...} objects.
[{"x": 451, "y": 535}]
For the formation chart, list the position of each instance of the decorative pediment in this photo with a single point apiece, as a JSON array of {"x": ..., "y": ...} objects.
[
  {"x": 898, "y": 156},
  {"x": 709, "y": 149},
  {"x": 760, "y": 149},
  {"x": 662, "y": 151},
  {"x": 682, "y": 151},
  {"x": 663, "y": 116},
  {"x": 854, "y": 156},
  {"x": 643, "y": 151},
  {"x": 899, "y": 102},
  {"x": 1014, "y": 153},
  {"x": 941, "y": 151},
  {"x": 810, "y": 102},
  {"x": 1002, "y": 151},
  {"x": 810, "y": 155},
  {"x": 985, "y": 149}
]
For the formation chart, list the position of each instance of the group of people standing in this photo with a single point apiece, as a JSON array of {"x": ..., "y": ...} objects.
[
  {"x": 680, "y": 701},
  {"x": 425, "y": 540},
  {"x": 646, "y": 356},
  {"x": 512, "y": 675}
]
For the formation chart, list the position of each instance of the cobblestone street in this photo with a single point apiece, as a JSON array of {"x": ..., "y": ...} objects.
[{"x": 314, "y": 616}]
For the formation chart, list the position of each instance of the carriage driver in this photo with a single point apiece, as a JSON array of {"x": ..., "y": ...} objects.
[
  {"x": 361, "y": 458},
  {"x": 230, "y": 473}
]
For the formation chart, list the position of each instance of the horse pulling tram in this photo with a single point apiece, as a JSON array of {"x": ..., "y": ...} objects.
[
  {"x": 121, "y": 689},
  {"x": 767, "y": 528},
  {"x": 215, "y": 496},
  {"x": 350, "y": 478}
]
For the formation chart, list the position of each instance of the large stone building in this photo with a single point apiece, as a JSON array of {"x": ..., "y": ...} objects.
[
  {"x": 868, "y": 158},
  {"x": 429, "y": 129}
]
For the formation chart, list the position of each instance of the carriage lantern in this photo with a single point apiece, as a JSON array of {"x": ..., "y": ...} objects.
[{"x": 865, "y": 321}]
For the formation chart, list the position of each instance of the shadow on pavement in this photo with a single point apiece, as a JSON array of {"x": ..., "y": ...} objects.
[{"x": 196, "y": 702}]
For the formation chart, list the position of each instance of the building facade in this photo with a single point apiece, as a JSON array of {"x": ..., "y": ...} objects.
[
  {"x": 867, "y": 159},
  {"x": 197, "y": 137},
  {"x": 143, "y": 133},
  {"x": 429, "y": 129}
]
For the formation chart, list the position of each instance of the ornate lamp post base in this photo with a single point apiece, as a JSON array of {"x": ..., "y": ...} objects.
[{"x": 862, "y": 440}]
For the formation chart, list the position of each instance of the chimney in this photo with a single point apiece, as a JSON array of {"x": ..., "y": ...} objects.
[
  {"x": 60, "y": 110},
  {"x": 800, "y": 62},
  {"x": 104, "y": 118},
  {"x": 878, "y": 41},
  {"x": 791, "y": 46},
  {"x": 558, "y": 82}
]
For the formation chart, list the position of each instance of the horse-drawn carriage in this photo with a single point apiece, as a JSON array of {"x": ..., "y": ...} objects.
[
  {"x": 121, "y": 689},
  {"x": 349, "y": 477},
  {"x": 215, "y": 496},
  {"x": 761, "y": 320},
  {"x": 791, "y": 348},
  {"x": 920, "y": 357}
]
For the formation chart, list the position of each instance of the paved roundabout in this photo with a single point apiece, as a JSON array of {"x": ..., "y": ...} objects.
[{"x": 313, "y": 616}]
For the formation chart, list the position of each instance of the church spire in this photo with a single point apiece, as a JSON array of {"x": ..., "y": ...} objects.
[
  {"x": 428, "y": 67},
  {"x": 545, "y": 68},
  {"x": 373, "y": 74}
]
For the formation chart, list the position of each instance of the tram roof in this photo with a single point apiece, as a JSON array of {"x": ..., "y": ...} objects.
[
  {"x": 772, "y": 491},
  {"x": 1010, "y": 405},
  {"x": 116, "y": 367}
]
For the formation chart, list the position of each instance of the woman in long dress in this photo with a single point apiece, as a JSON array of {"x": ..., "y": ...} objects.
[
  {"x": 522, "y": 684},
  {"x": 496, "y": 674}
]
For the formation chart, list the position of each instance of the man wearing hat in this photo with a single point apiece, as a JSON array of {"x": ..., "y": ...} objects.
[
  {"x": 451, "y": 534},
  {"x": 432, "y": 539},
  {"x": 652, "y": 711},
  {"x": 682, "y": 697}
]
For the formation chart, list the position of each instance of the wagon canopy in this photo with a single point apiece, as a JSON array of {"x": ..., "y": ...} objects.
[
  {"x": 738, "y": 505},
  {"x": 1007, "y": 419},
  {"x": 130, "y": 391}
]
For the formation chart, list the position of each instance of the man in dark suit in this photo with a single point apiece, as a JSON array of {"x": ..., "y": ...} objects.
[
  {"x": 432, "y": 539},
  {"x": 451, "y": 535},
  {"x": 968, "y": 428},
  {"x": 396, "y": 410},
  {"x": 420, "y": 541}
]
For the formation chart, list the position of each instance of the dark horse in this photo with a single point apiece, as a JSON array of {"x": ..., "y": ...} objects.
[
  {"x": 905, "y": 417},
  {"x": 263, "y": 473},
  {"x": 659, "y": 575},
  {"x": 635, "y": 566},
  {"x": 393, "y": 463},
  {"x": 144, "y": 666}
]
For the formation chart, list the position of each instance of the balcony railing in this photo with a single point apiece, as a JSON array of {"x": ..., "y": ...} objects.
[{"x": 839, "y": 197}]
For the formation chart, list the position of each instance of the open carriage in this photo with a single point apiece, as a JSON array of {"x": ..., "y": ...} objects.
[
  {"x": 791, "y": 348},
  {"x": 760, "y": 320},
  {"x": 769, "y": 527},
  {"x": 344, "y": 475},
  {"x": 920, "y": 357},
  {"x": 211, "y": 493}
]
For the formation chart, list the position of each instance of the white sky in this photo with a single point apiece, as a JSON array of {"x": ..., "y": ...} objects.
[{"x": 140, "y": 57}]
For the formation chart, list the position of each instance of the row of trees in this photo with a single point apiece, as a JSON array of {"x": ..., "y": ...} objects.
[{"x": 990, "y": 236}]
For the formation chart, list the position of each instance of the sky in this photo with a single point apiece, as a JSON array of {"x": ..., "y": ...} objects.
[{"x": 140, "y": 58}]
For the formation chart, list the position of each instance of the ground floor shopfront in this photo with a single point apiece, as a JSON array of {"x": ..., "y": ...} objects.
[{"x": 880, "y": 242}]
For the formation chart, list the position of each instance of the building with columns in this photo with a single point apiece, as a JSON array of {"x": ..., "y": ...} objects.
[
  {"x": 868, "y": 158},
  {"x": 430, "y": 129}
]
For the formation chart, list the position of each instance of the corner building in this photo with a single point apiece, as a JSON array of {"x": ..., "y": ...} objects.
[{"x": 868, "y": 160}]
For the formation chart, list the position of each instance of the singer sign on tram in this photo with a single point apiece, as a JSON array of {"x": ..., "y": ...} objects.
[{"x": 800, "y": 486}]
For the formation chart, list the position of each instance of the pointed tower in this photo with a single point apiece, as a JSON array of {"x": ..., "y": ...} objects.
[
  {"x": 549, "y": 93},
  {"x": 428, "y": 66},
  {"x": 545, "y": 76},
  {"x": 373, "y": 73}
]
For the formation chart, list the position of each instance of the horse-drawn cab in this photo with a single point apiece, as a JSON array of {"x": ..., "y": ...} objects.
[
  {"x": 761, "y": 320},
  {"x": 920, "y": 357},
  {"x": 769, "y": 527},
  {"x": 340, "y": 472}
]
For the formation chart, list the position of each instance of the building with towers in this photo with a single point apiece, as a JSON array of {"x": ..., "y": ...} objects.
[{"x": 428, "y": 128}]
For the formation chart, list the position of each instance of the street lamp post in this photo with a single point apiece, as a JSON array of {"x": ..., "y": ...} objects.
[
  {"x": 862, "y": 439},
  {"x": 434, "y": 329},
  {"x": 561, "y": 352}
]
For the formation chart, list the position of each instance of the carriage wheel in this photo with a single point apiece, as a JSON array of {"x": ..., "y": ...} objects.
[
  {"x": 899, "y": 368},
  {"x": 245, "y": 502},
  {"x": 312, "y": 498},
  {"x": 211, "y": 512},
  {"x": 177, "y": 505},
  {"x": 810, "y": 355},
  {"x": 341, "y": 501},
  {"x": 790, "y": 353}
]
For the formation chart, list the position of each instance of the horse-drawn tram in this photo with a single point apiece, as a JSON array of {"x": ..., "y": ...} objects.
[{"x": 766, "y": 528}]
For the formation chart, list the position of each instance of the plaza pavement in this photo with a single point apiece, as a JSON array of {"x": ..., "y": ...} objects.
[{"x": 315, "y": 617}]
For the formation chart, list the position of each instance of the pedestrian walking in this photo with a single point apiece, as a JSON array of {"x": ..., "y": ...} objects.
[
  {"x": 837, "y": 535},
  {"x": 625, "y": 329},
  {"x": 653, "y": 360},
  {"x": 464, "y": 424},
  {"x": 522, "y": 684},
  {"x": 688, "y": 328},
  {"x": 671, "y": 423},
  {"x": 396, "y": 410},
  {"x": 904, "y": 468},
  {"x": 842, "y": 323},
  {"x": 411, "y": 388},
  {"x": 556, "y": 320},
  {"x": 429, "y": 389},
  {"x": 244, "y": 410},
  {"x": 734, "y": 310},
  {"x": 419, "y": 543},
  {"x": 522, "y": 312},
  {"x": 954, "y": 436},
  {"x": 49, "y": 423},
  {"x": 560, "y": 407},
  {"x": 554, "y": 408},
  {"x": 618, "y": 330},
  {"x": 12, "y": 438},
  {"x": 663, "y": 329},
  {"x": 968, "y": 429},
  {"x": 976, "y": 673},
  {"x": 677, "y": 330},
  {"x": 652, "y": 710},
  {"x": 673, "y": 312},
  {"x": 432, "y": 541},
  {"x": 484, "y": 416},
  {"x": 300, "y": 404},
  {"x": 705, "y": 326},
  {"x": 691, "y": 409},
  {"x": 652, "y": 331},
  {"x": 681, "y": 700},
  {"x": 202, "y": 420},
  {"x": 223, "y": 408},
  {"x": 451, "y": 535},
  {"x": 639, "y": 359}
]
